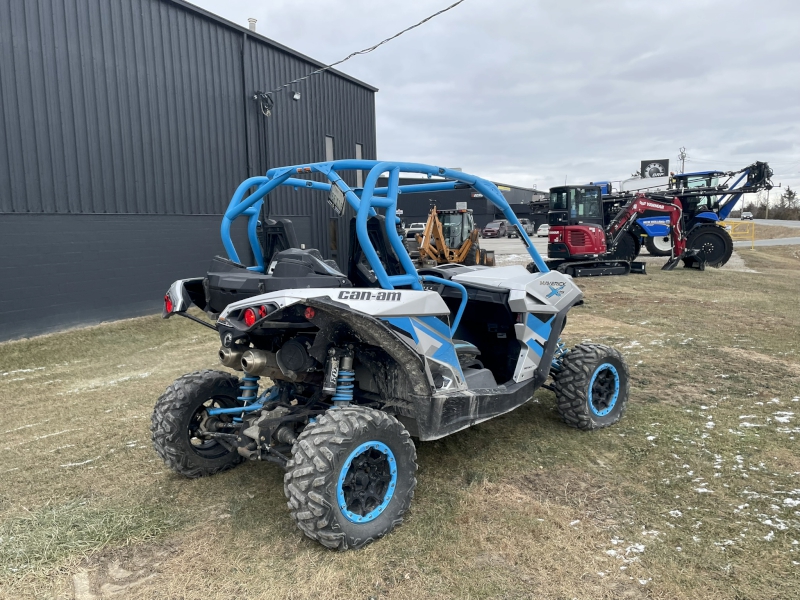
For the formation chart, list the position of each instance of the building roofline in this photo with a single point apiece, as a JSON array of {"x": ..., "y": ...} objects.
[{"x": 263, "y": 39}]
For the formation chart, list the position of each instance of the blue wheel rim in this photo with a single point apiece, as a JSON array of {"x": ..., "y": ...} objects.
[
  {"x": 603, "y": 394},
  {"x": 380, "y": 454}
]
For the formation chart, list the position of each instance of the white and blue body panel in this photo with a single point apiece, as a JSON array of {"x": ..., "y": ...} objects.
[{"x": 421, "y": 318}]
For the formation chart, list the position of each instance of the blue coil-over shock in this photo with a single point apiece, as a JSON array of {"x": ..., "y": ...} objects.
[
  {"x": 340, "y": 377},
  {"x": 558, "y": 355},
  {"x": 248, "y": 388}
]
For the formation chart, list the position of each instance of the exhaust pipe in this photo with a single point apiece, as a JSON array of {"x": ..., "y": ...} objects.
[
  {"x": 231, "y": 357},
  {"x": 258, "y": 362}
]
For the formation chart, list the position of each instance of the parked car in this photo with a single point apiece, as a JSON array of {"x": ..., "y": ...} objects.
[
  {"x": 495, "y": 229},
  {"x": 414, "y": 229},
  {"x": 543, "y": 231},
  {"x": 747, "y": 216},
  {"x": 526, "y": 225}
]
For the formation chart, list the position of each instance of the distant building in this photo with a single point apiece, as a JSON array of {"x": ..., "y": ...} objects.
[{"x": 416, "y": 207}]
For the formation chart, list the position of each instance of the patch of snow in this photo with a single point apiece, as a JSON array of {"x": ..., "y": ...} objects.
[
  {"x": 635, "y": 548},
  {"x": 675, "y": 513},
  {"x": 7, "y": 373},
  {"x": 78, "y": 464},
  {"x": 25, "y": 426}
]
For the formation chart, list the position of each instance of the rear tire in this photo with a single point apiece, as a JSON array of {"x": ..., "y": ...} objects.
[
  {"x": 177, "y": 417},
  {"x": 592, "y": 387},
  {"x": 351, "y": 477},
  {"x": 713, "y": 244},
  {"x": 659, "y": 245},
  {"x": 473, "y": 256}
]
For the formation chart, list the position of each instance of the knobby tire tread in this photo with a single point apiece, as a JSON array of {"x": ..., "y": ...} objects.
[
  {"x": 572, "y": 381},
  {"x": 311, "y": 472},
  {"x": 166, "y": 428}
]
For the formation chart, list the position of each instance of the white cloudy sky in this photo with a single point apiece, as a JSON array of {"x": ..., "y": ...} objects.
[{"x": 532, "y": 91}]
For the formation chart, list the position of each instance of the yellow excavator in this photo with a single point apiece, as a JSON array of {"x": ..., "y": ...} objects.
[{"x": 450, "y": 237}]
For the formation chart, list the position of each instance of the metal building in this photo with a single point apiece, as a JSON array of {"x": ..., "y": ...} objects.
[
  {"x": 125, "y": 128},
  {"x": 522, "y": 201}
]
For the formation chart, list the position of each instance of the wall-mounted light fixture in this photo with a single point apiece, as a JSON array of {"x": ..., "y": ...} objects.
[{"x": 296, "y": 96}]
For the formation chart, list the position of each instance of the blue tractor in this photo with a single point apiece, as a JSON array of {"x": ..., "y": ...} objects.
[{"x": 706, "y": 200}]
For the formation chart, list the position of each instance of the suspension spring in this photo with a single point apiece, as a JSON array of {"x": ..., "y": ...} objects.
[
  {"x": 558, "y": 355},
  {"x": 248, "y": 388},
  {"x": 345, "y": 382}
]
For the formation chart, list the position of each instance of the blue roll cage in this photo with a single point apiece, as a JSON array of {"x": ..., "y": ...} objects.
[{"x": 364, "y": 202}]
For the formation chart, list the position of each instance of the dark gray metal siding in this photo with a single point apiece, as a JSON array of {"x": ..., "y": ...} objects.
[
  {"x": 65, "y": 270},
  {"x": 144, "y": 107}
]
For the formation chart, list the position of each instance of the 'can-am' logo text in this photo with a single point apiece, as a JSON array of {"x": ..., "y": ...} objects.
[{"x": 383, "y": 296}]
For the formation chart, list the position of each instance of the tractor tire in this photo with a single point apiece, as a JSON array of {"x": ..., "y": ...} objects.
[
  {"x": 473, "y": 256},
  {"x": 713, "y": 244},
  {"x": 627, "y": 249},
  {"x": 592, "y": 387},
  {"x": 179, "y": 412},
  {"x": 351, "y": 477},
  {"x": 659, "y": 246}
]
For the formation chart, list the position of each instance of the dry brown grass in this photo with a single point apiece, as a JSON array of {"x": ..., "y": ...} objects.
[
  {"x": 772, "y": 232},
  {"x": 518, "y": 507}
]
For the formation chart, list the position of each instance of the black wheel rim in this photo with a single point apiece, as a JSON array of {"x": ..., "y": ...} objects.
[
  {"x": 367, "y": 483},
  {"x": 208, "y": 449},
  {"x": 604, "y": 389},
  {"x": 710, "y": 247}
]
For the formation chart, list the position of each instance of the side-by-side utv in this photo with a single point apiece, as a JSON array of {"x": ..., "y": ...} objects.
[{"x": 359, "y": 363}]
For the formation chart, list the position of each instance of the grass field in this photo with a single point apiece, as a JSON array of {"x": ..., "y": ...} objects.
[
  {"x": 772, "y": 232},
  {"x": 694, "y": 494}
]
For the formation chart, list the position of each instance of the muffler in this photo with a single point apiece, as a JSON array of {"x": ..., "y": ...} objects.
[
  {"x": 231, "y": 357},
  {"x": 258, "y": 362}
]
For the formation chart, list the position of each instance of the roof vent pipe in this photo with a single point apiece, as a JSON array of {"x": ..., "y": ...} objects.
[{"x": 252, "y": 22}]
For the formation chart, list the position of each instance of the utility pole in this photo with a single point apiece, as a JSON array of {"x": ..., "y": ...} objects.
[
  {"x": 766, "y": 216},
  {"x": 682, "y": 158}
]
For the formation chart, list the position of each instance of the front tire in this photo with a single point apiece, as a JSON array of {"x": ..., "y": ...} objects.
[
  {"x": 592, "y": 387},
  {"x": 351, "y": 477},
  {"x": 177, "y": 419},
  {"x": 627, "y": 249},
  {"x": 473, "y": 256}
]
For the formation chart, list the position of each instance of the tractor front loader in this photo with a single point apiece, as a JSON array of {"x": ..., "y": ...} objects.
[{"x": 453, "y": 239}]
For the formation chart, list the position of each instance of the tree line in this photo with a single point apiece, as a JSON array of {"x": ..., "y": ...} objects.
[{"x": 786, "y": 207}]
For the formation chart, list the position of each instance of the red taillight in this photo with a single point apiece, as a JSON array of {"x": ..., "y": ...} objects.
[
  {"x": 168, "y": 303},
  {"x": 249, "y": 317},
  {"x": 262, "y": 311},
  {"x": 309, "y": 313}
]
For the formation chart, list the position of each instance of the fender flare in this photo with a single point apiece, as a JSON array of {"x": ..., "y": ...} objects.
[{"x": 377, "y": 333}]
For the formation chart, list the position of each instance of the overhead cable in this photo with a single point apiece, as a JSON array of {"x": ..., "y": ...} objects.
[{"x": 266, "y": 104}]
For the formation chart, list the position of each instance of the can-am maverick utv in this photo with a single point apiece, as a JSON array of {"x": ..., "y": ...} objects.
[{"x": 356, "y": 371}]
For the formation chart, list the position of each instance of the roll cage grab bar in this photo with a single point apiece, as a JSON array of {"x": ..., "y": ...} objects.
[{"x": 364, "y": 202}]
